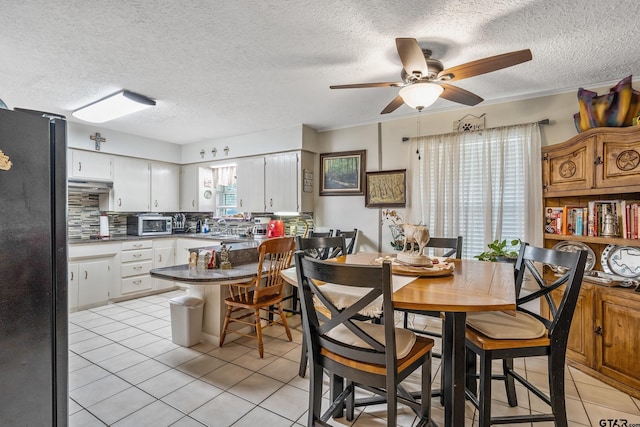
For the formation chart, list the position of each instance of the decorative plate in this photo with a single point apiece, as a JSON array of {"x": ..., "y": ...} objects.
[
  {"x": 208, "y": 194},
  {"x": 439, "y": 269},
  {"x": 568, "y": 246},
  {"x": 621, "y": 260}
]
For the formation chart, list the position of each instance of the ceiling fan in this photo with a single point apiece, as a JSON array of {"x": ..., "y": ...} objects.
[{"x": 423, "y": 77}]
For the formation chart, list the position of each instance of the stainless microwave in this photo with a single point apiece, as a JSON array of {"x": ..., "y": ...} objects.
[{"x": 149, "y": 225}]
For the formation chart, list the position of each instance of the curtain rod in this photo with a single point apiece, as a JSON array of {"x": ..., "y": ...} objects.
[{"x": 539, "y": 122}]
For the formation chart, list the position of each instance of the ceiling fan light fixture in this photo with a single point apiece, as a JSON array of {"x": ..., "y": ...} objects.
[
  {"x": 420, "y": 95},
  {"x": 113, "y": 106}
]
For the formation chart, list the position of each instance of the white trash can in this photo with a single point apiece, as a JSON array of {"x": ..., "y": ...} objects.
[{"x": 186, "y": 320}]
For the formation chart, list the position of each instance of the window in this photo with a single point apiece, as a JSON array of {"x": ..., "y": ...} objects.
[
  {"x": 480, "y": 185},
  {"x": 224, "y": 178}
]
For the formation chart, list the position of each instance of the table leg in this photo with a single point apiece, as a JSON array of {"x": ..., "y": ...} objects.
[{"x": 453, "y": 365}]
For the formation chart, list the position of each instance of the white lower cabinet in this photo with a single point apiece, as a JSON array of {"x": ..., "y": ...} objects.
[
  {"x": 92, "y": 274},
  {"x": 164, "y": 255},
  {"x": 89, "y": 283},
  {"x": 137, "y": 260}
]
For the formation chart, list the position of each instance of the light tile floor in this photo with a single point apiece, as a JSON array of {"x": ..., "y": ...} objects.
[{"x": 124, "y": 370}]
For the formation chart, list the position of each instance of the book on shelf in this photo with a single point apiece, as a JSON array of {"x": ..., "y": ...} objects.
[
  {"x": 573, "y": 220},
  {"x": 553, "y": 220},
  {"x": 628, "y": 224}
]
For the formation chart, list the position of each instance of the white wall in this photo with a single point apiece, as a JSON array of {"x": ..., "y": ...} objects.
[
  {"x": 271, "y": 141},
  {"x": 349, "y": 211},
  {"x": 78, "y": 136}
]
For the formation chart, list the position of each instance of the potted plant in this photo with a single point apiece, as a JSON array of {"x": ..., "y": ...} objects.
[{"x": 501, "y": 250}]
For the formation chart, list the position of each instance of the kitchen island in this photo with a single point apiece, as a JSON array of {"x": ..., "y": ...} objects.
[{"x": 209, "y": 285}]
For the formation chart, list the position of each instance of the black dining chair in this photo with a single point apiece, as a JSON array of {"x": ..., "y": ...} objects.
[
  {"x": 374, "y": 357},
  {"x": 504, "y": 336},
  {"x": 450, "y": 247},
  {"x": 351, "y": 237},
  {"x": 319, "y": 248},
  {"x": 320, "y": 233}
]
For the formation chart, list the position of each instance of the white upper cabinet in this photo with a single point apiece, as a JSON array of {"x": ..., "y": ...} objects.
[
  {"x": 165, "y": 187},
  {"x": 274, "y": 183},
  {"x": 250, "y": 184},
  {"x": 131, "y": 187},
  {"x": 197, "y": 193},
  {"x": 90, "y": 165},
  {"x": 281, "y": 182}
]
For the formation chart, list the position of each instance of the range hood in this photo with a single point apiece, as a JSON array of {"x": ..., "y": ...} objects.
[{"x": 84, "y": 186}]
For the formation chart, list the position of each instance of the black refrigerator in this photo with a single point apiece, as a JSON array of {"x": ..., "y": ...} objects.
[{"x": 33, "y": 270}]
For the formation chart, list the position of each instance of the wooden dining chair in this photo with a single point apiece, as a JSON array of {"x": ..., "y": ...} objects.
[
  {"x": 319, "y": 248},
  {"x": 351, "y": 238},
  {"x": 374, "y": 357},
  {"x": 264, "y": 292},
  {"x": 504, "y": 336}
]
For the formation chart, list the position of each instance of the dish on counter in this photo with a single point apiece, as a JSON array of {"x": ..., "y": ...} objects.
[
  {"x": 440, "y": 267},
  {"x": 568, "y": 246},
  {"x": 621, "y": 260}
]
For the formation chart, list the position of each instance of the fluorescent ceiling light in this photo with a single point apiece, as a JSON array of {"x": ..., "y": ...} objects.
[
  {"x": 113, "y": 106},
  {"x": 420, "y": 95}
]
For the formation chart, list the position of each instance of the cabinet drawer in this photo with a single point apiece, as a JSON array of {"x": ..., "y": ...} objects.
[
  {"x": 136, "y": 268},
  {"x": 141, "y": 255},
  {"x": 137, "y": 244},
  {"x": 136, "y": 284}
]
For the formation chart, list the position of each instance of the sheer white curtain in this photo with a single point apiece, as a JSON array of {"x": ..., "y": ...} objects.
[
  {"x": 224, "y": 175},
  {"x": 483, "y": 185}
]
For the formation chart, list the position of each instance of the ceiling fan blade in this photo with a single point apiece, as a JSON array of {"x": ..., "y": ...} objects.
[
  {"x": 359, "y": 85},
  {"x": 462, "y": 96},
  {"x": 486, "y": 65},
  {"x": 393, "y": 105},
  {"x": 411, "y": 56}
]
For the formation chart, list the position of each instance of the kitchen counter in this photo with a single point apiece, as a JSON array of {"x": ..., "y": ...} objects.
[
  {"x": 184, "y": 273},
  {"x": 207, "y": 284},
  {"x": 124, "y": 238}
]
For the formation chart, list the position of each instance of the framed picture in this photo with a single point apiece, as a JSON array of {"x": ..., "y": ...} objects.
[
  {"x": 342, "y": 174},
  {"x": 386, "y": 189}
]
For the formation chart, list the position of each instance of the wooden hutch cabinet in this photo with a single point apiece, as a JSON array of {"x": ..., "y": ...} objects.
[{"x": 599, "y": 164}]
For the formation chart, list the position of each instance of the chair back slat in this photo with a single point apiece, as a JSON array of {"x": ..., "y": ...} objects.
[
  {"x": 531, "y": 260},
  {"x": 351, "y": 238},
  {"x": 321, "y": 247},
  {"x": 275, "y": 255},
  {"x": 450, "y": 246},
  {"x": 312, "y": 275},
  {"x": 320, "y": 233}
]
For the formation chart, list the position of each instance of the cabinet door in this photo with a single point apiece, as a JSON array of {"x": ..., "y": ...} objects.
[
  {"x": 89, "y": 165},
  {"x": 165, "y": 187},
  {"x": 72, "y": 286},
  {"x": 163, "y": 257},
  {"x": 131, "y": 185},
  {"x": 93, "y": 282},
  {"x": 281, "y": 183},
  {"x": 196, "y": 189},
  {"x": 618, "y": 160},
  {"x": 581, "y": 344},
  {"x": 568, "y": 167},
  {"x": 250, "y": 184},
  {"x": 617, "y": 344}
]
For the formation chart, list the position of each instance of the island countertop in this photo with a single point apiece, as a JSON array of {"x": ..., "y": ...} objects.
[{"x": 216, "y": 276}]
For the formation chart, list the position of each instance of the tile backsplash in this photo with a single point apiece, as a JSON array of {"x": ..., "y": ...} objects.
[{"x": 83, "y": 218}]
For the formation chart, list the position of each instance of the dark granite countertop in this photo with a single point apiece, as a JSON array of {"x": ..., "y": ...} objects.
[
  {"x": 184, "y": 273},
  {"x": 124, "y": 238}
]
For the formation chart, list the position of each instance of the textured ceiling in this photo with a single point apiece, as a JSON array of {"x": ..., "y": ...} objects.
[{"x": 224, "y": 68}]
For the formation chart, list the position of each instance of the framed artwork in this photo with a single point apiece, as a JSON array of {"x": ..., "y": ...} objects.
[
  {"x": 342, "y": 174},
  {"x": 386, "y": 189}
]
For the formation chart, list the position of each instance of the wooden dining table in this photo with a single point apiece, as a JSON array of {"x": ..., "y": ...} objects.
[{"x": 473, "y": 286}]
